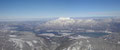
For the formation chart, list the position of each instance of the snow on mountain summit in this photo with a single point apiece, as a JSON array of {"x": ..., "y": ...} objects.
[
  {"x": 66, "y": 22},
  {"x": 60, "y": 22},
  {"x": 64, "y": 18}
]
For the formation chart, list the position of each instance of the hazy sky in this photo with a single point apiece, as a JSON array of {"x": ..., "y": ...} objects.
[{"x": 19, "y": 9}]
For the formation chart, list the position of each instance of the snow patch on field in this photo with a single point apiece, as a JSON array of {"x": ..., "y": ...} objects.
[
  {"x": 18, "y": 42},
  {"x": 34, "y": 41},
  {"x": 118, "y": 42},
  {"x": 66, "y": 34},
  {"x": 48, "y": 34},
  {"x": 29, "y": 43},
  {"x": 12, "y": 36},
  {"x": 88, "y": 41}
]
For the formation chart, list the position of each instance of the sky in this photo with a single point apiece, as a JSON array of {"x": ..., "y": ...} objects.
[{"x": 26, "y": 9}]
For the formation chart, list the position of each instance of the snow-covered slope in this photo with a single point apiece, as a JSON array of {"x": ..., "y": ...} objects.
[
  {"x": 88, "y": 44},
  {"x": 29, "y": 41},
  {"x": 61, "y": 22},
  {"x": 68, "y": 23}
]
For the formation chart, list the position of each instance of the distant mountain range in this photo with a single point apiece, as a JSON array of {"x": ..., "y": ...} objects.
[{"x": 63, "y": 33}]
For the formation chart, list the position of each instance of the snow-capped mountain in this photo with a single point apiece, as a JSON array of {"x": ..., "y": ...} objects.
[
  {"x": 68, "y": 23},
  {"x": 60, "y": 22},
  {"x": 61, "y": 34}
]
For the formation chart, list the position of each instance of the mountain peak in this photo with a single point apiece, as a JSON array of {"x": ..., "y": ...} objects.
[{"x": 64, "y": 18}]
